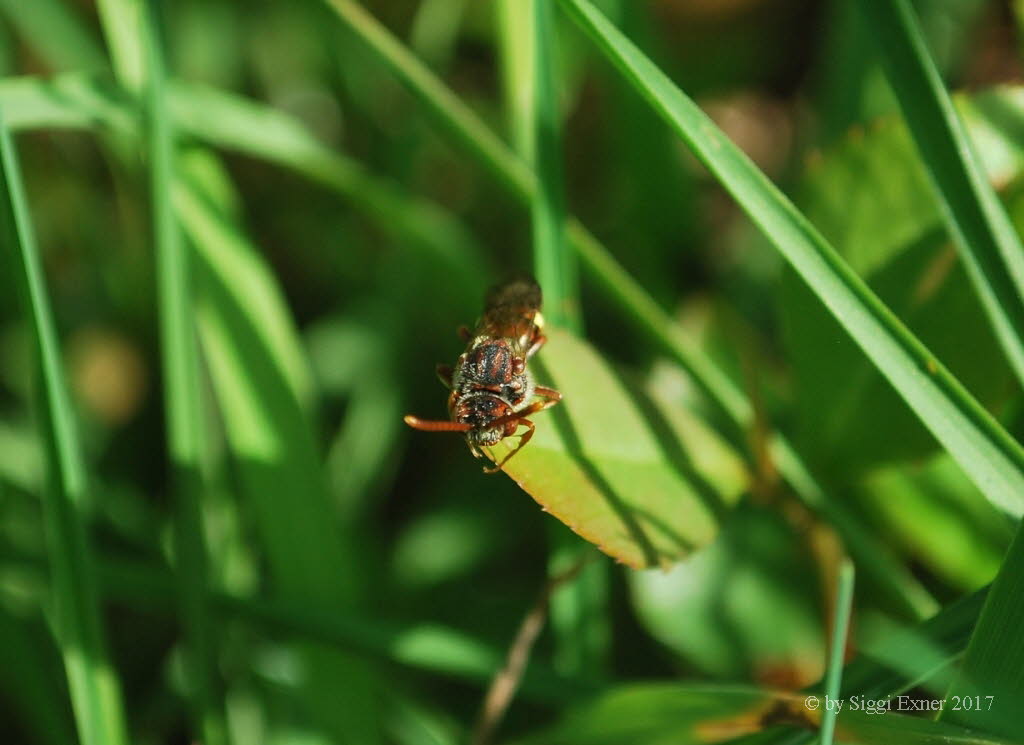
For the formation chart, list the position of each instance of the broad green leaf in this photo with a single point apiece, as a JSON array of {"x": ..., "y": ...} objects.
[
  {"x": 93, "y": 683},
  {"x": 701, "y": 607},
  {"x": 993, "y": 459},
  {"x": 645, "y": 491}
]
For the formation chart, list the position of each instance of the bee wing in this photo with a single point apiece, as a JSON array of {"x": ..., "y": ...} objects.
[{"x": 510, "y": 311}]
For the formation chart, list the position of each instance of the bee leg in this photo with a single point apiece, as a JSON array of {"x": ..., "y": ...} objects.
[
  {"x": 465, "y": 334},
  {"x": 444, "y": 373},
  {"x": 523, "y": 439},
  {"x": 538, "y": 342},
  {"x": 552, "y": 396}
]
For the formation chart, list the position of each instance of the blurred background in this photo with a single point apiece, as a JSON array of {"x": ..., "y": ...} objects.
[{"x": 411, "y": 569}]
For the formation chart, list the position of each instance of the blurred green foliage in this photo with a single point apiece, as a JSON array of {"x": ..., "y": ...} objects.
[{"x": 365, "y": 581}]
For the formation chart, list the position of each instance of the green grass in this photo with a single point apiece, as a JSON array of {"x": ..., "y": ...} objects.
[
  {"x": 837, "y": 647},
  {"x": 92, "y": 681},
  {"x": 993, "y": 459},
  {"x": 798, "y": 345},
  {"x": 183, "y": 404},
  {"x": 989, "y": 246}
]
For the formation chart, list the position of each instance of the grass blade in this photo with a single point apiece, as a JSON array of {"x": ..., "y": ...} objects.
[
  {"x": 982, "y": 448},
  {"x": 122, "y": 23},
  {"x": 184, "y": 412},
  {"x": 579, "y": 607},
  {"x": 987, "y": 242},
  {"x": 840, "y": 627},
  {"x": 515, "y": 43},
  {"x": 995, "y": 655},
  {"x": 555, "y": 265},
  {"x": 260, "y": 377},
  {"x": 95, "y": 692}
]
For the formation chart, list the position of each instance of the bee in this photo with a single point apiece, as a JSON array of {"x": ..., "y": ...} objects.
[{"x": 492, "y": 393}]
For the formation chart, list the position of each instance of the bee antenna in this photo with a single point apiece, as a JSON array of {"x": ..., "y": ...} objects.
[{"x": 427, "y": 425}]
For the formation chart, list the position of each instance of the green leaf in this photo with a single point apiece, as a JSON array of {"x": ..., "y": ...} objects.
[
  {"x": 95, "y": 692},
  {"x": 988, "y": 245},
  {"x": 646, "y": 491},
  {"x": 993, "y": 460}
]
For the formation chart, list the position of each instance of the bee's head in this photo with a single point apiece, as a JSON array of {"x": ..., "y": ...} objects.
[{"x": 479, "y": 411}]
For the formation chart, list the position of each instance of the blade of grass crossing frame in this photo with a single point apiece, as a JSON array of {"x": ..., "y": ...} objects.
[
  {"x": 515, "y": 44},
  {"x": 579, "y": 608},
  {"x": 182, "y": 404},
  {"x": 555, "y": 265},
  {"x": 840, "y": 629},
  {"x": 122, "y": 23},
  {"x": 466, "y": 129},
  {"x": 992, "y": 459},
  {"x": 92, "y": 681},
  {"x": 987, "y": 242}
]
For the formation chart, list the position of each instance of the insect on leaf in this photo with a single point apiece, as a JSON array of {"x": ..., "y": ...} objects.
[{"x": 646, "y": 484}]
